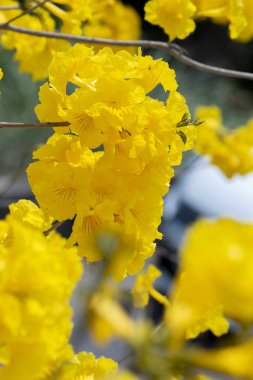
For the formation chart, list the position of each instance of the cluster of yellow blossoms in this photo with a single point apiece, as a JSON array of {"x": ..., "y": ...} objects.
[
  {"x": 112, "y": 165},
  {"x": 37, "y": 279},
  {"x": 100, "y": 18},
  {"x": 177, "y": 17},
  {"x": 213, "y": 289},
  {"x": 231, "y": 151}
]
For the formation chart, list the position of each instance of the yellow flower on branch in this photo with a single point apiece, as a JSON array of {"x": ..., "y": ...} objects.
[
  {"x": 231, "y": 151},
  {"x": 177, "y": 18},
  {"x": 110, "y": 168},
  {"x": 174, "y": 16},
  {"x": 100, "y": 18}
]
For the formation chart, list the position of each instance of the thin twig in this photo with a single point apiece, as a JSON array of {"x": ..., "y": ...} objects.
[
  {"x": 4, "y": 124},
  {"x": 27, "y": 11},
  {"x": 9, "y": 7},
  {"x": 54, "y": 227},
  {"x": 175, "y": 50}
]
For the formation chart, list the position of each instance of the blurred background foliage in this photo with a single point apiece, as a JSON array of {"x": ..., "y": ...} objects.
[{"x": 210, "y": 44}]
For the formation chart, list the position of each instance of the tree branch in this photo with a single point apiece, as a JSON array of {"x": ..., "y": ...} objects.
[
  {"x": 4, "y": 124},
  {"x": 175, "y": 50},
  {"x": 54, "y": 227},
  {"x": 9, "y": 7},
  {"x": 27, "y": 11}
]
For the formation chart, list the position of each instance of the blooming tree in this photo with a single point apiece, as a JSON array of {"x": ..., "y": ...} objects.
[{"x": 107, "y": 166}]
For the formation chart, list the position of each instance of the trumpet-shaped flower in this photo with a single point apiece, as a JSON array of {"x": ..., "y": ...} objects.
[{"x": 175, "y": 17}]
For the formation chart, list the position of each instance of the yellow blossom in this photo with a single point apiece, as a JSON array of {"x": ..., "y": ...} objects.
[
  {"x": 247, "y": 33},
  {"x": 123, "y": 375},
  {"x": 214, "y": 278},
  {"x": 116, "y": 21},
  {"x": 110, "y": 319},
  {"x": 85, "y": 366},
  {"x": 144, "y": 286},
  {"x": 231, "y": 11},
  {"x": 37, "y": 276},
  {"x": 28, "y": 213},
  {"x": 231, "y": 151},
  {"x": 234, "y": 360},
  {"x": 112, "y": 172},
  {"x": 103, "y": 18},
  {"x": 175, "y": 17}
]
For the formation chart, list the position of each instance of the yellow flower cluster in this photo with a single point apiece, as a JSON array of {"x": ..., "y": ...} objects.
[
  {"x": 37, "y": 276},
  {"x": 177, "y": 17},
  {"x": 85, "y": 366},
  {"x": 231, "y": 151},
  {"x": 174, "y": 16},
  {"x": 215, "y": 277},
  {"x": 100, "y": 18},
  {"x": 112, "y": 171}
]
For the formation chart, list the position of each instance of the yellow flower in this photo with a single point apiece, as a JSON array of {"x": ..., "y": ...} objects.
[
  {"x": 122, "y": 375},
  {"x": 93, "y": 218},
  {"x": 120, "y": 157},
  {"x": 144, "y": 286},
  {"x": 104, "y": 18},
  {"x": 58, "y": 190},
  {"x": 85, "y": 366},
  {"x": 234, "y": 360},
  {"x": 28, "y": 213},
  {"x": 28, "y": 47},
  {"x": 214, "y": 278},
  {"x": 110, "y": 319},
  {"x": 175, "y": 17},
  {"x": 231, "y": 151},
  {"x": 37, "y": 277},
  {"x": 247, "y": 33},
  {"x": 231, "y": 11},
  {"x": 116, "y": 21}
]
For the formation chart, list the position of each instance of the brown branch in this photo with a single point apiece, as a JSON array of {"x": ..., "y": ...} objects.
[
  {"x": 9, "y": 7},
  {"x": 27, "y": 11},
  {"x": 175, "y": 50},
  {"x": 54, "y": 227},
  {"x": 4, "y": 124}
]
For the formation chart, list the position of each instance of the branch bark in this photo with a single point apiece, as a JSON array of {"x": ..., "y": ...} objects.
[
  {"x": 4, "y": 124},
  {"x": 175, "y": 50}
]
